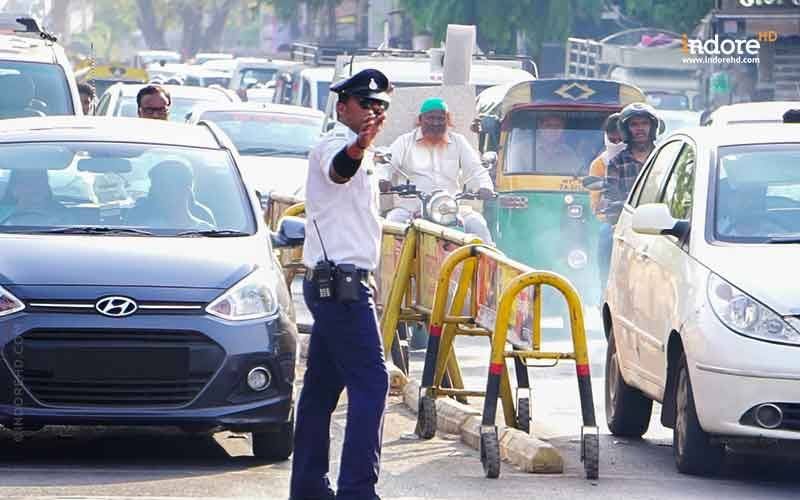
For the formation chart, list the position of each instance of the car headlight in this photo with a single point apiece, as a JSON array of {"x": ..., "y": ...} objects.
[
  {"x": 746, "y": 316},
  {"x": 8, "y": 303},
  {"x": 577, "y": 259},
  {"x": 254, "y": 297},
  {"x": 443, "y": 209}
]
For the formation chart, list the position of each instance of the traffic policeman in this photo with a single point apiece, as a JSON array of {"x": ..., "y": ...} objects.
[{"x": 341, "y": 250}]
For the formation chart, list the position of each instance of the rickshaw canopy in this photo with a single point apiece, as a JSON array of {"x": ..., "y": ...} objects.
[{"x": 567, "y": 92}]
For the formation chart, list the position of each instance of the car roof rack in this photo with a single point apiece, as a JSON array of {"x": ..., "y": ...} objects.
[
  {"x": 11, "y": 22},
  {"x": 318, "y": 55}
]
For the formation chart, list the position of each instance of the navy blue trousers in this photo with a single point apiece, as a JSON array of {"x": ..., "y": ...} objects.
[{"x": 345, "y": 352}]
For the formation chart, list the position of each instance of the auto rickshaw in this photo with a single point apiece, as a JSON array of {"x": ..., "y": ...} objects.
[
  {"x": 106, "y": 75},
  {"x": 545, "y": 134}
]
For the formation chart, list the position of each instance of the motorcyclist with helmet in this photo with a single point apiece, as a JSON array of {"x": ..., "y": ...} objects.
[{"x": 638, "y": 124}]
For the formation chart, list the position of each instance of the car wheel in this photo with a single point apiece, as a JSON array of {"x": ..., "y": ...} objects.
[
  {"x": 692, "y": 447},
  {"x": 627, "y": 409},
  {"x": 274, "y": 444}
]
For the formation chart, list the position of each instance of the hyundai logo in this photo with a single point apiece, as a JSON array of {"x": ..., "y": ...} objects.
[{"x": 116, "y": 307}]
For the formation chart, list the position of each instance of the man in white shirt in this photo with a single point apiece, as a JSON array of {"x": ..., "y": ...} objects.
[
  {"x": 435, "y": 158},
  {"x": 342, "y": 245}
]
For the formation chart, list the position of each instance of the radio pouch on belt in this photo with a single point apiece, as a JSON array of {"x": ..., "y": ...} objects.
[
  {"x": 323, "y": 279},
  {"x": 347, "y": 283}
]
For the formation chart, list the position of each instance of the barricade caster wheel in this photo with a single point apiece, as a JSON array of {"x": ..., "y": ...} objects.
[
  {"x": 490, "y": 454},
  {"x": 524, "y": 415},
  {"x": 591, "y": 455},
  {"x": 426, "y": 418}
]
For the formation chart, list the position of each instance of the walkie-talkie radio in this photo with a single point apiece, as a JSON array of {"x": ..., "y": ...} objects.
[{"x": 323, "y": 271}]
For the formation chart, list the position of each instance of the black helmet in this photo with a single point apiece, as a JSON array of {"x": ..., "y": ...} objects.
[
  {"x": 638, "y": 109},
  {"x": 612, "y": 123}
]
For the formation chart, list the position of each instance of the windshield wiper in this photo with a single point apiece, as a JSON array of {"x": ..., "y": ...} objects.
[
  {"x": 784, "y": 239},
  {"x": 213, "y": 233},
  {"x": 126, "y": 231},
  {"x": 271, "y": 152}
]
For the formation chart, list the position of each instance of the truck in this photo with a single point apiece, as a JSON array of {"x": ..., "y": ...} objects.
[{"x": 652, "y": 59}]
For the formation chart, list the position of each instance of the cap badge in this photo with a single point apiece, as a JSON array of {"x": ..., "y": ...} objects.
[{"x": 372, "y": 84}]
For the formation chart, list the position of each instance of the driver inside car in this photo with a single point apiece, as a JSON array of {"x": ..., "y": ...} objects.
[
  {"x": 29, "y": 201},
  {"x": 170, "y": 202}
]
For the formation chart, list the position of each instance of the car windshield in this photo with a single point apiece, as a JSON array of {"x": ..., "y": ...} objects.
[
  {"x": 758, "y": 194},
  {"x": 264, "y": 133},
  {"x": 668, "y": 101},
  {"x": 33, "y": 89},
  {"x": 553, "y": 142},
  {"x": 120, "y": 189},
  {"x": 180, "y": 107},
  {"x": 253, "y": 76}
]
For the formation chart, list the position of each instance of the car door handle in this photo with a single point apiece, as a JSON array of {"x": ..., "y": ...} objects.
[
  {"x": 641, "y": 253},
  {"x": 620, "y": 238}
]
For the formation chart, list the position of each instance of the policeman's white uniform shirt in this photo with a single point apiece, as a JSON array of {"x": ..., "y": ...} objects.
[
  {"x": 447, "y": 167},
  {"x": 346, "y": 214}
]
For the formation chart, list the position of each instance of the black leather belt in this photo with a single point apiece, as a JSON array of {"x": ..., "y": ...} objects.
[{"x": 365, "y": 274}]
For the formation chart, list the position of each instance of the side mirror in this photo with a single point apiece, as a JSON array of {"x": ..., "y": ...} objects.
[
  {"x": 489, "y": 159},
  {"x": 594, "y": 183},
  {"x": 291, "y": 233},
  {"x": 655, "y": 219}
]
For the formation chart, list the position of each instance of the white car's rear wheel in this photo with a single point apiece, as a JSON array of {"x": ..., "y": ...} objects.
[
  {"x": 691, "y": 445},
  {"x": 627, "y": 409}
]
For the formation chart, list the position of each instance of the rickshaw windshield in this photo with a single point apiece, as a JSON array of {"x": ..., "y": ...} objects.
[{"x": 553, "y": 142}]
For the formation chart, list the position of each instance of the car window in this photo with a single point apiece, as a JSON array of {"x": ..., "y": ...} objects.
[
  {"x": 651, "y": 187},
  {"x": 160, "y": 189},
  {"x": 33, "y": 89},
  {"x": 263, "y": 133},
  {"x": 306, "y": 94},
  {"x": 678, "y": 193},
  {"x": 252, "y": 76},
  {"x": 181, "y": 106},
  {"x": 757, "y": 195},
  {"x": 102, "y": 106},
  {"x": 323, "y": 90}
]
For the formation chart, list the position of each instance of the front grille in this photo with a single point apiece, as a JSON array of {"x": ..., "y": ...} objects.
[
  {"x": 115, "y": 368},
  {"x": 84, "y": 307}
]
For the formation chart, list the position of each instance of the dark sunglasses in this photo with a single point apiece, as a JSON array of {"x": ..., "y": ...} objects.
[{"x": 367, "y": 103}]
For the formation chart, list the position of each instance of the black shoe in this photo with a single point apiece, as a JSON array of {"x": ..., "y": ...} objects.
[{"x": 328, "y": 496}]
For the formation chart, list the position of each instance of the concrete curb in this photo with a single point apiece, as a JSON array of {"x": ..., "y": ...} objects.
[{"x": 527, "y": 452}]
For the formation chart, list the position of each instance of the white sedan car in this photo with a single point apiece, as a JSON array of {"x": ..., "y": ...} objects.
[
  {"x": 703, "y": 305},
  {"x": 274, "y": 141}
]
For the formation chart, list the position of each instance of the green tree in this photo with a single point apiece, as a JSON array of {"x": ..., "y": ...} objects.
[
  {"x": 498, "y": 22},
  {"x": 675, "y": 15},
  {"x": 289, "y": 10},
  {"x": 202, "y": 22}
]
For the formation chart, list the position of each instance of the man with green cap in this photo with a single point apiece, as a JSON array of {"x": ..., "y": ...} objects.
[{"x": 433, "y": 157}]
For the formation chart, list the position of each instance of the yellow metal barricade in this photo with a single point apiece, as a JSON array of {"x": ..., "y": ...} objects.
[
  {"x": 411, "y": 273},
  {"x": 461, "y": 287},
  {"x": 483, "y": 271}
]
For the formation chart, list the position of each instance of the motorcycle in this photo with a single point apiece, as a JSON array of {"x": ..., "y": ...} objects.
[
  {"x": 437, "y": 206},
  {"x": 612, "y": 210}
]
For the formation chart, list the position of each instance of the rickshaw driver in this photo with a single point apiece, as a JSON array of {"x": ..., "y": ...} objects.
[
  {"x": 436, "y": 158},
  {"x": 553, "y": 154}
]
